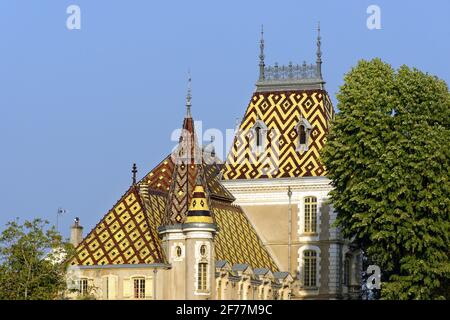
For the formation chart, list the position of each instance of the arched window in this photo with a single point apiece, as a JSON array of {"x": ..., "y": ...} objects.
[
  {"x": 302, "y": 134},
  {"x": 347, "y": 271},
  {"x": 202, "y": 274},
  {"x": 259, "y": 132},
  {"x": 258, "y": 136},
  {"x": 303, "y": 129},
  {"x": 309, "y": 268},
  {"x": 310, "y": 215}
]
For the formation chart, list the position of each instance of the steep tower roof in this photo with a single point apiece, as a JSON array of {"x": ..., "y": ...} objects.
[
  {"x": 269, "y": 142},
  {"x": 188, "y": 162}
]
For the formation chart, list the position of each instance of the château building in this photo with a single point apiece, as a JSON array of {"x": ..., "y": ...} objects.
[{"x": 257, "y": 226}]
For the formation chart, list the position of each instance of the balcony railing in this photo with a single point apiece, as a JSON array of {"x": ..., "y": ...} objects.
[{"x": 290, "y": 72}]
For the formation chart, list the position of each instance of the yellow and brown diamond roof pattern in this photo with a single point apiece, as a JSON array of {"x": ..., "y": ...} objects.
[
  {"x": 128, "y": 233},
  {"x": 125, "y": 235},
  {"x": 280, "y": 112},
  {"x": 237, "y": 240}
]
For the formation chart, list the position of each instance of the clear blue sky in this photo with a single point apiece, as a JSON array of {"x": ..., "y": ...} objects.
[{"x": 77, "y": 108}]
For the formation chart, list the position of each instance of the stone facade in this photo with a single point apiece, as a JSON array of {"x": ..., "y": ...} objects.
[{"x": 266, "y": 203}]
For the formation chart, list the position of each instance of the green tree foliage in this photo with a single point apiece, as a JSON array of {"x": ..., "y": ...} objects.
[
  {"x": 32, "y": 261},
  {"x": 387, "y": 155}
]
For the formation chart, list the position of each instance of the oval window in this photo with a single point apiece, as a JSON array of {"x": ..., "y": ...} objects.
[
  {"x": 203, "y": 250},
  {"x": 178, "y": 251}
]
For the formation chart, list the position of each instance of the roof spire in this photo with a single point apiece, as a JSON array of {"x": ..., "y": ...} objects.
[
  {"x": 134, "y": 172},
  {"x": 261, "y": 55},
  {"x": 187, "y": 156},
  {"x": 189, "y": 97},
  {"x": 319, "y": 52}
]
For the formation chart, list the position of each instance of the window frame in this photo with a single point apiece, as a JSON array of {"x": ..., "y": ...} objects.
[
  {"x": 178, "y": 251},
  {"x": 139, "y": 291},
  {"x": 259, "y": 130},
  {"x": 202, "y": 277},
  {"x": 83, "y": 286},
  {"x": 310, "y": 268},
  {"x": 310, "y": 207},
  {"x": 258, "y": 136},
  {"x": 303, "y": 133}
]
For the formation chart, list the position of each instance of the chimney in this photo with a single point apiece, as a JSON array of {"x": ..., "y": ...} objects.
[{"x": 76, "y": 232}]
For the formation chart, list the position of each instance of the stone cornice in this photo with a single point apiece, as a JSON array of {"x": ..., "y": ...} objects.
[
  {"x": 274, "y": 190},
  {"x": 278, "y": 184}
]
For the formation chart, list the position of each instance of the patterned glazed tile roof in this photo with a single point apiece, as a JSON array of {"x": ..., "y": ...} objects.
[
  {"x": 280, "y": 112},
  {"x": 160, "y": 178},
  {"x": 237, "y": 242},
  {"x": 185, "y": 157},
  {"x": 125, "y": 235}
]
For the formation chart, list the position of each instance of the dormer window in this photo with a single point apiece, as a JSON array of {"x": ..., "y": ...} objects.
[
  {"x": 258, "y": 136},
  {"x": 302, "y": 134},
  {"x": 259, "y": 132},
  {"x": 303, "y": 129}
]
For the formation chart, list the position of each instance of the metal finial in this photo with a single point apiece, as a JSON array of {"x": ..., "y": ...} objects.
[
  {"x": 189, "y": 97},
  {"x": 319, "y": 52},
  {"x": 261, "y": 55},
  {"x": 134, "y": 172}
]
